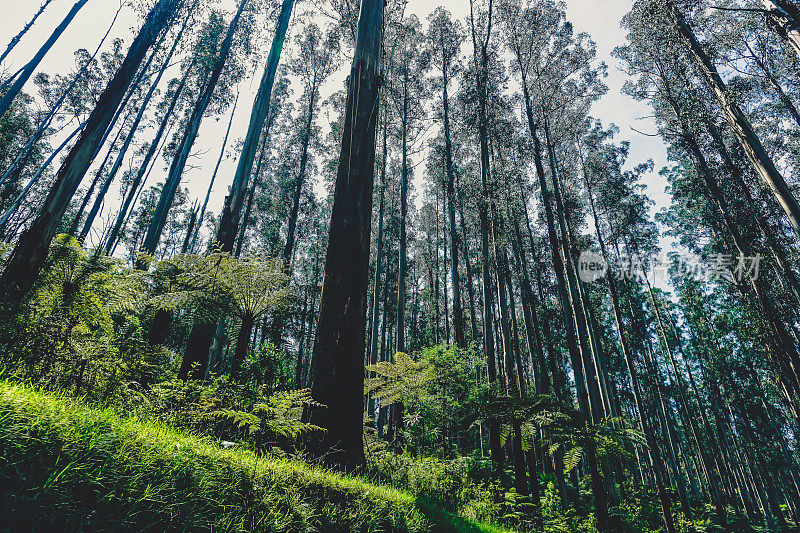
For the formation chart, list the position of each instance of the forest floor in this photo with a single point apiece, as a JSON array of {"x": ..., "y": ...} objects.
[{"x": 65, "y": 466}]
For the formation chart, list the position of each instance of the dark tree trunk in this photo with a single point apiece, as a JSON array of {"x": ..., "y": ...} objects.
[
  {"x": 242, "y": 343},
  {"x": 195, "y": 359},
  {"x": 173, "y": 180},
  {"x": 30, "y": 67},
  {"x": 31, "y": 250},
  {"x": 338, "y": 363},
  {"x": 291, "y": 234},
  {"x": 229, "y": 223}
]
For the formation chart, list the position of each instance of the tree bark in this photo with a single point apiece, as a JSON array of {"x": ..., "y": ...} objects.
[
  {"x": 31, "y": 250},
  {"x": 242, "y": 343},
  {"x": 229, "y": 222},
  {"x": 338, "y": 363}
]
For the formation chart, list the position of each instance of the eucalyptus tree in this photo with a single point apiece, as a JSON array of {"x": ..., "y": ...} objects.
[
  {"x": 178, "y": 166},
  {"x": 337, "y": 368},
  {"x": 444, "y": 40},
  {"x": 18, "y": 37},
  {"x": 229, "y": 223},
  {"x": 672, "y": 22},
  {"x": 316, "y": 60},
  {"x": 31, "y": 250},
  {"x": 21, "y": 78}
]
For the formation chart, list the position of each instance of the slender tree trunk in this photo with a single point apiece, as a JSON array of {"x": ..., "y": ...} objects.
[
  {"x": 27, "y": 70},
  {"x": 265, "y": 148},
  {"x": 242, "y": 343},
  {"x": 135, "y": 186},
  {"x": 468, "y": 267},
  {"x": 374, "y": 341},
  {"x": 338, "y": 364},
  {"x": 291, "y": 234},
  {"x": 199, "y": 226},
  {"x": 751, "y": 144},
  {"x": 458, "y": 312},
  {"x": 17, "y": 38},
  {"x": 229, "y": 222},
  {"x": 31, "y": 250},
  {"x": 173, "y": 180},
  {"x": 98, "y": 202}
]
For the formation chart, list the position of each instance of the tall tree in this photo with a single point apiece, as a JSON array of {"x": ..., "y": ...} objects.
[
  {"x": 337, "y": 368},
  {"x": 27, "y": 70},
  {"x": 31, "y": 250}
]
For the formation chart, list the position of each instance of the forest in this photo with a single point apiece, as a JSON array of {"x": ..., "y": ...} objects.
[{"x": 378, "y": 266}]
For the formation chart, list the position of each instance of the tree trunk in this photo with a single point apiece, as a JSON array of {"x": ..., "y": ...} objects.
[
  {"x": 173, "y": 180},
  {"x": 111, "y": 241},
  {"x": 251, "y": 195},
  {"x": 229, "y": 222},
  {"x": 751, "y": 144},
  {"x": 28, "y": 69},
  {"x": 242, "y": 343},
  {"x": 31, "y": 250},
  {"x": 17, "y": 38},
  {"x": 784, "y": 19},
  {"x": 338, "y": 364},
  {"x": 288, "y": 250},
  {"x": 199, "y": 226},
  {"x": 195, "y": 358},
  {"x": 458, "y": 312},
  {"x": 98, "y": 202}
]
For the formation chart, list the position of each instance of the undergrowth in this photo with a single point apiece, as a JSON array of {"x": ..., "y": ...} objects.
[{"x": 68, "y": 467}]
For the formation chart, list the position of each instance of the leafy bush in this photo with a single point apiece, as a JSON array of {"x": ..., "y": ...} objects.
[{"x": 234, "y": 413}]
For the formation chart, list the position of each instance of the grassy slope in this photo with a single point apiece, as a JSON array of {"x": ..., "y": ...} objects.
[{"x": 68, "y": 467}]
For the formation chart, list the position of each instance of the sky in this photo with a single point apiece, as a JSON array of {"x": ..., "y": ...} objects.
[{"x": 598, "y": 18}]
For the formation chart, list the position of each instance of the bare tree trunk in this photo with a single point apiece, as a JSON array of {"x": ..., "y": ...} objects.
[
  {"x": 229, "y": 222},
  {"x": 18, "y": 37},
  {"x": 291, "y": 234},
  {"x": 31, "y": 250},
  {"x": 338, "y": 364},
  {"x": 111, "y": 241},
  {"x": 28, "y": 69},
  {"x": 173, "y": 180}
]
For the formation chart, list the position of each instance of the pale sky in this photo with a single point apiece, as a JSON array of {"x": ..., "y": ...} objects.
[{"x": 599, "y": 18}]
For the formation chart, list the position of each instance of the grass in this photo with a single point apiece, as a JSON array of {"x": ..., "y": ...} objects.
[{"x": 65, "y": 466}]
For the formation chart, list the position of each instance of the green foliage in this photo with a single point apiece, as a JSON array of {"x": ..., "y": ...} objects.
[
  {"x": 219, "y": 285},
  {"x": 438, "y": 390},
  {"x": 66, "y": 467},
  {"x": 239, "y": 415}
]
